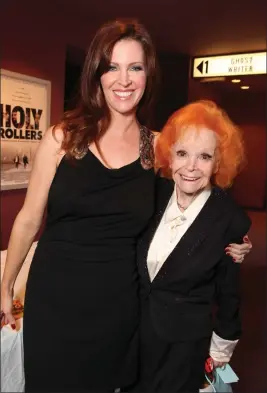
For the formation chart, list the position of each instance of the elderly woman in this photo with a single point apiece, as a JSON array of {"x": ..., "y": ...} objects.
[{"x": 182, "y": 262}]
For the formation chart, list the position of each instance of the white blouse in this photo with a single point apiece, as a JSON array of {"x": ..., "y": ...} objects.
[{"x": 172, "y": 227}]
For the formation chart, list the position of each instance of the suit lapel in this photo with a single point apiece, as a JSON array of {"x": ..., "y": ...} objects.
[
  {"x": 164, "y": 190},
  {"x": 197, "y": 232}
]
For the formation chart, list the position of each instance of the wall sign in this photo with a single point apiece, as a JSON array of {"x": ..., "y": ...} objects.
[
  {"x": 229, "y": 65},
  {"x": 24, "y": 118}
]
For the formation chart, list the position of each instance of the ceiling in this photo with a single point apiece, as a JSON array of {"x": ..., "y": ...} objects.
[{"x": 203, "y": 27}]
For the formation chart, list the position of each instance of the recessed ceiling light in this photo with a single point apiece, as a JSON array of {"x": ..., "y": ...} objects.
[
  {"x": 213, "y": 79},
  {"x": 236, "y": 80},
  {"x": 244, "y": 87}
]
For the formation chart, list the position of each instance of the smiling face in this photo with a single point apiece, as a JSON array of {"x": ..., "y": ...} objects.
[
  {"x": 125, "y": 82},
  {"x": 193, "y": 160}
]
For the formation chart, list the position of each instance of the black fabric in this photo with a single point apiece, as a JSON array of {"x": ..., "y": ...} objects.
[
  {"x": 81, "y": 306},
  {"x": 169, "y": 367},
  {"x": 198, "y": 270},
  {"x": 177, "y": 306}
]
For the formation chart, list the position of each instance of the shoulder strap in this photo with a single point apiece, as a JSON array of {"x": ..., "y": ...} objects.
[{"x": 147, "y": 156}]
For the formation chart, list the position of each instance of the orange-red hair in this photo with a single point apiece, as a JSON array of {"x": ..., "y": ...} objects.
[{"x": 204, "y": 113}]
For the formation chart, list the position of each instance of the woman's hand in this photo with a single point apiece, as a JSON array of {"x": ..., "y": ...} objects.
[
  {"x": 239, "y": 251},
  {"x": 6, "y": 310},
  {"x": 218, "y": 364}
]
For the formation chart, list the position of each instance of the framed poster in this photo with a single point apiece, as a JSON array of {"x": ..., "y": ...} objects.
[{"x": 24, "y": 118}]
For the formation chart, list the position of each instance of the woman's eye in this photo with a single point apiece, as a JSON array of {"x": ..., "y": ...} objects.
[
  {"x": 205, "y": 156},
  {"x": 137, "y": 68},
  {"x": 181, "y": 153},
  {"x": 112, "y": 68}
]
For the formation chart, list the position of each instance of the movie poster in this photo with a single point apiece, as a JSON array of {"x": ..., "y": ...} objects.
[{"x": 24, "y": 118}]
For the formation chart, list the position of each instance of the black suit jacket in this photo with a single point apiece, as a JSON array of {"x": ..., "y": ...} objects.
[{"x": 196, "y": 273}]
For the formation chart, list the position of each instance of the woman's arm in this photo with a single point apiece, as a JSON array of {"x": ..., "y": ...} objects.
[
  {"x": 29, "y": 219},
  {"x": 227, "y": 329}
]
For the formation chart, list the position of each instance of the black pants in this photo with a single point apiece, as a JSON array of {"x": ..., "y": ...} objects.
[{"x": 169, "y": 367}]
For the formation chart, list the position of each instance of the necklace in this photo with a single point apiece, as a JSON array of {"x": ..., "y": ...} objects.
[
  {"x": 182, "y": 207},
  {"x": 181, "y": 218}
]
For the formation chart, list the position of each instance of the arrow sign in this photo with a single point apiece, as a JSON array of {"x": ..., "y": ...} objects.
[
  {"x": 200, "y": 67},
  {"x": 229, "y": 65}
]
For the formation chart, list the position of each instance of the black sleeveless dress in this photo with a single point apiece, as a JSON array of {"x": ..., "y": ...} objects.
[{"x": 81, "y": 304}]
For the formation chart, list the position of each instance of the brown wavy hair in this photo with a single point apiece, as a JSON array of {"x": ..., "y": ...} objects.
[
  {"x": 204, "y": 113},
  {"x": 91, "y": 118}
]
